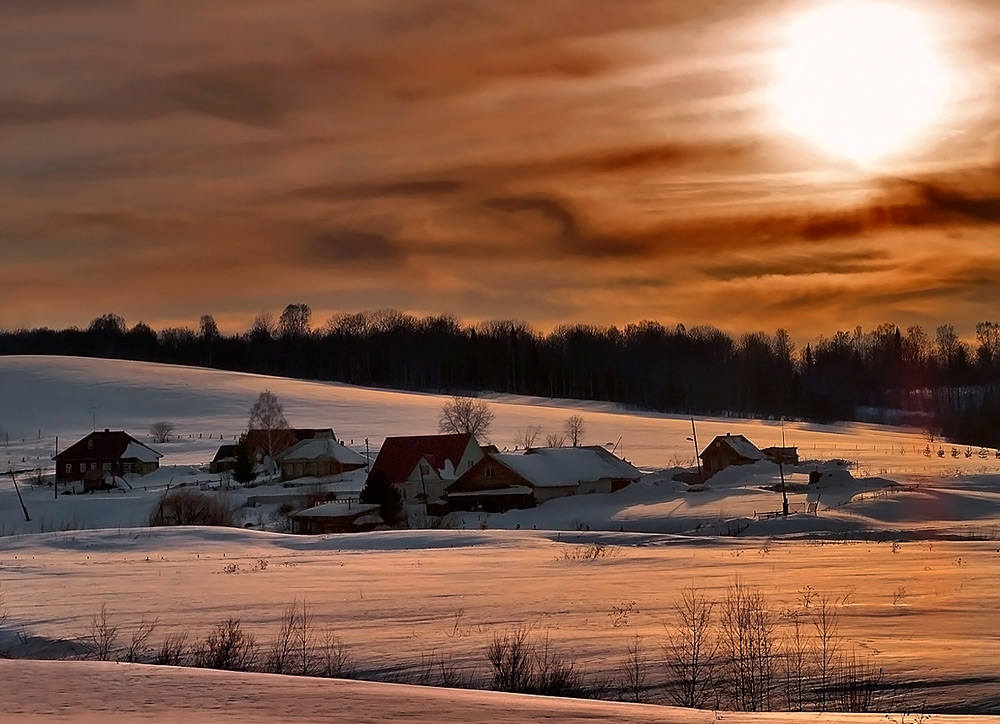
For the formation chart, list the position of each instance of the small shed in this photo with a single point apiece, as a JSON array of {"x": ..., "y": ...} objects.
[
  {"x": 728, "y": 449},
  {"x": 337, "y": 518},
  {"x": 782, "y": 455}
]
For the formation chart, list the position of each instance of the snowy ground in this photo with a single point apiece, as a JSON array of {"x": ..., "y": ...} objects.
[
  {"x": 66, "y": 692},
  {"x": 398, "y": 597}
]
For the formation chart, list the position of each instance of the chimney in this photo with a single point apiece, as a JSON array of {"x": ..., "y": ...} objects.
[{"x": 107, "y": 430}]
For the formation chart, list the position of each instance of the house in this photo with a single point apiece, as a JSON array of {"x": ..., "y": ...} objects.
[
  {"x": 318, "y": 457},
  {"x": 782, "y": 455},
  {"x": 280, "y": 440},
  {"x": 502, "y": 481},
  {"x": 336, "y": 518},
  {"x": 421, "y": 465},
  {"x": 726, "y": 450},
  {"x": 113, "y": 451},
  {"x": 225, "y": 459}
]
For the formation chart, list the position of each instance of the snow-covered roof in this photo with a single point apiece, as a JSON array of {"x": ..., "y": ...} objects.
[
  {"x": 567, "y": 466},
  {"x": 739, "y": 445},
  {"x": 322, "y": 448},
  {"x": 137, "y": 451},
  {"x": 512, "y": 490},
  {"x": 338, "y": 510}
]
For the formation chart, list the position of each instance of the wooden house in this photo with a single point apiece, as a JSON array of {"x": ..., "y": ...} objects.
[
  {"x": 726, "y": 450},
  {"x": 319, "y": 457},
  {"x": 502, "y": 481},
  {"x": 112, "y": 451}
]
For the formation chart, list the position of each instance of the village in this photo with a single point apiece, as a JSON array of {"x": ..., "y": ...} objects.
[{"x": 431, "y": 475}]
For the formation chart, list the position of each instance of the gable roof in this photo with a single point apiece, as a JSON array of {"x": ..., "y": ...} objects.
[
  {"x": 285, "y": 438},
  {"x": 108, "y": 445},
  {"x": 322, "y": 448},
  {"x": 737, "y": 444},
  {"x": 567, "y": 466},
  {"x": 225, "y": 452},
  {"x": 338, "y": 510},
  {"x": 399, "y": 455}
]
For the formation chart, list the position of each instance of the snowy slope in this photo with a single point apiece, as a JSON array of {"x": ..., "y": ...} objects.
[{"x": 65, "y": 692}]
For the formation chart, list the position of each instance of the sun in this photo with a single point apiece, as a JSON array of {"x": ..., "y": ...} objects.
[{"x": 860, "y": 79}]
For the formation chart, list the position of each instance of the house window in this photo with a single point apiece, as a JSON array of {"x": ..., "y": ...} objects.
[
  {"x": 83, "y": 467},
  {"x": 491, "y": 472},
  {"x": 106, "y": 466},
  {"x": 126, "y": 467},
  {"x": 69, "y": 467},
  {"x": 93, "y": 466},
  {"x": 90, "y": 444},
  {"x": 425, "y": 469}
]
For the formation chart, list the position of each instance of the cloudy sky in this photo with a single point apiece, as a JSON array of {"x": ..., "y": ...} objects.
[{"x": 592, "y": 161}]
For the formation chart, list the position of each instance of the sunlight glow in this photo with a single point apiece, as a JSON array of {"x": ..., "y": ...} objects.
[{"x": 860, "y": 79}]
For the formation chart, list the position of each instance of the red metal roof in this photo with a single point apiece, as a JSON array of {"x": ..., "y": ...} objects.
[
  {"x": 106, "y": 445},
  {"x": 399, "y": 455}
]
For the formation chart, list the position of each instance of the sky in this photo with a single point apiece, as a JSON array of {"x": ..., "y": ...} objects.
[{"x": 559, "y": 162}]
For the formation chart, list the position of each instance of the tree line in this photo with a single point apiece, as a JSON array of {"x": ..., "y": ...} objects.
[{"x": 934, "y": 379}]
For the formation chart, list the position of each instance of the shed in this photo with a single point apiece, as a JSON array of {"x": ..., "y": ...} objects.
[{"x": 337, "y": 518}]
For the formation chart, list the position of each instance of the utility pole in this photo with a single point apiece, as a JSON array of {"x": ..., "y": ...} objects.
[
  {"x": 694, "y": 437},
  {"x": 781, "y": 471},
  {"x": 368, "y": 458},
  {"x": 27, "y": 518},
  {"x": 55, "y": 480}
]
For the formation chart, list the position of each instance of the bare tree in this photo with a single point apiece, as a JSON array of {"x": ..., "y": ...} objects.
[
  {"x": 554, "y": 439},
  {"x": 101, "y": 638},
  {"x": 295, "y": 321},
  {"x": 466, "y": 415},
  {"x": 527, "y": 437},
  {"x": 692, "y": 650},
  {"x": 140, "y": 635},
  {"x": 634, "y": 669},
  {"x": 574, "y": 428},
  {"x": 268, "y": 417},
  {"x": 748, "y": 648},
  {"x": 826, "y": 623},
  {"x": 161, "y": 431}
]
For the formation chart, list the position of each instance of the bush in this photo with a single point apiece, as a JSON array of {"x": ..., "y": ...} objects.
[
  {"x": 227, "y": 647},
  {"x": 189, "y": 507}
]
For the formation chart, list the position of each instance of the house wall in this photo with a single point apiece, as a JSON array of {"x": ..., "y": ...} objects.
[
  {"x": 479, "y": 477},
  {"x": 594, "y": 486},
  {"x": 292, "y": 469},
  {"x": 117, "y": 467},
  {"x": 545, "y": 494}
]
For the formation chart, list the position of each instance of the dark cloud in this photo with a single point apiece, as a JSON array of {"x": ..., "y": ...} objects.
[
  {"x": 350, "y": 246},
  {"x": 800, "y": 263}
]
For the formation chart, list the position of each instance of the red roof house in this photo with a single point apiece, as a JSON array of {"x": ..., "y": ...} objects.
[
  {"x": 419, "y": 465},
  {"x": 113, "y": 451}
]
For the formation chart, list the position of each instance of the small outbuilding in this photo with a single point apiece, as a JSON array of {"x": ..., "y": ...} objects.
[
  {"x": 782, "y": 455},
  {"x": 728, "y": 449},
  {"x": 337, "y": 518},
  {"x": 111, "y": 451},
  {"x": 225, "y": 459}
]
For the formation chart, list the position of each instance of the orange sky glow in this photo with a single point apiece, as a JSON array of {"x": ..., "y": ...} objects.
[{"x": 598, "y": 162}]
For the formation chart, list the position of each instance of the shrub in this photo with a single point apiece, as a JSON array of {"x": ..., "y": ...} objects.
[
  {"x": 227, "y": 647},
  {"x": 190, "y": 507}
]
